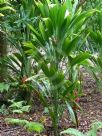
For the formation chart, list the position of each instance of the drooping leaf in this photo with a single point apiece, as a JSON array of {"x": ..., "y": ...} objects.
[
  {"x": 80, "y": 58},
  {"x": 69, "y": 45},
  {"x": 72, "y": 132},
  {"x": 6, "y": 8},
  {"x": 71, "y": 112}
]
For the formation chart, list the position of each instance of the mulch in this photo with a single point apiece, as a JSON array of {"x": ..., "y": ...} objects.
[{"x": 91, "y": 103}]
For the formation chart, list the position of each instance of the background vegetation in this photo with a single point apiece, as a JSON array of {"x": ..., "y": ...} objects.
[{"x": 49, "y": 42}]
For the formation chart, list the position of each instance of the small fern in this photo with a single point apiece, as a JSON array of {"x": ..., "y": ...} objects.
[
  {"x": 30, "y": 126},
  {"x": 19, "y": 107},
  {"x": 34, "y": 126},
  {"x": 16, "y": 121},
  {"x": 73, "y": 132},
  {"x": 4, "y": 87},
  {"x": 97, "y": 125},
  {"x": 92, "y": 132}
]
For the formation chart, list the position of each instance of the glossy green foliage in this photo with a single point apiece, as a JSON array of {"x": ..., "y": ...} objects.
[{"x": 55, "y": 40}]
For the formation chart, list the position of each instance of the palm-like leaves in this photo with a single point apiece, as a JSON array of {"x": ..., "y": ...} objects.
[{"x": 57, "y": 36}]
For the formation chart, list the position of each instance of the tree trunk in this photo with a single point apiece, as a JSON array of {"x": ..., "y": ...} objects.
[{"x": 3, "y": 52}]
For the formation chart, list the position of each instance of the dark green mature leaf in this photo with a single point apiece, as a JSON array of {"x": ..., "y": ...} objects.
[
  {"x": 45, "y": 69},
  {"x": 49, "y": 26},
  {"x": 42, "y": 30},
  {"x": 80, "y": 58},
  {"x": 33, "y": 51},
  {"x": 82, "y": 16},
  {"x": 69, "y": 89},
  {"x": 69, "y": 45}
]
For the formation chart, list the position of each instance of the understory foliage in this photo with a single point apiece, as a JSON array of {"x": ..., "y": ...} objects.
[
  {"x": 50, "y": 42},
  {"x": 95, "y": 127},
  {"x": 30, "y": 126}
]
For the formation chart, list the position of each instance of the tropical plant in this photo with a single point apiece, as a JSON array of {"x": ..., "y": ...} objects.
[
  {"x": 54, "y": 42},
  {"x": 17, "y": 62},
  {"x": 30, "y": 126},
  {"x": 95, "y": 66},
  {"x": 92, "y": 132},
  {"x": 94, "y": 23}
]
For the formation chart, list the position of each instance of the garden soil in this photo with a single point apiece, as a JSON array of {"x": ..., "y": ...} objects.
[{"x": 91, "y": 103}]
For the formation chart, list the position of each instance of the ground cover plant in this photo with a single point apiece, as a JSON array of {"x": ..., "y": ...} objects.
[{"x": 51, "y": 44}]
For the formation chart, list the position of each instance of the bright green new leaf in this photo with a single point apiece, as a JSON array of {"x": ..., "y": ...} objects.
[
  {"x": 16, "y": 121},
  {"x": 6, "y": 8},
  {"x": 34, "y": 126},
  {"x": 1, "y": 15}
]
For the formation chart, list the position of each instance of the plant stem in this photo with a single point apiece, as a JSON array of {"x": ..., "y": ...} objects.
[{"x": 55, "y": 110}]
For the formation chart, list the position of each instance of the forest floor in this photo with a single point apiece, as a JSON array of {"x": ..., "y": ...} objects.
[{"x": 91, "y": 103}]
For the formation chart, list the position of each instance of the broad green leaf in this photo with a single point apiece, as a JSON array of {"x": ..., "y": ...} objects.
[
  {"x": 33, "y": 30},
  {"x": 82, "y": 16},
  {"x": 69, "y": 45},
  {"x": 49, "y": 26},
  {"x": 61, "y": 15},
  {"x": 80, "y": 58},
  {"x": 54, "y": 15},
  {"x": 42, "y": 30}
]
